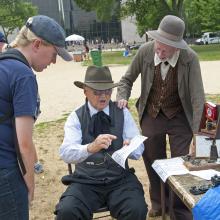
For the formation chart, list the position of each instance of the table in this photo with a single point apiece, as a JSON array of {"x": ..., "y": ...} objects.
[{"x": 180, "y": 185}]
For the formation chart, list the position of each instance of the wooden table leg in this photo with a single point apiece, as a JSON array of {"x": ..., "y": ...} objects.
[{"x": 163, "y": 200}]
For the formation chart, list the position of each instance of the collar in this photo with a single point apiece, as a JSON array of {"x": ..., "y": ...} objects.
[
  {"x": 172, "y": 61},
  {"x": 93, "y": 110}
]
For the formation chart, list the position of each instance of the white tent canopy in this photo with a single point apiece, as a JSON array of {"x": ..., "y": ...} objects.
[{"x": 75, "y": 37}]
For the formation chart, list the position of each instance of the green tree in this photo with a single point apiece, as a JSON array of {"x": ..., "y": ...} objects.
[
  {"x": 210, "y": 15},
  {"x": 193, "y": 17},
  {"x": 148, "y": 13},
  {"x": 199, "y": 15},
  {"x": 13, "y": 14},
  {"x": 202, "y": 16},
  {"x": 105, "y": 9}
]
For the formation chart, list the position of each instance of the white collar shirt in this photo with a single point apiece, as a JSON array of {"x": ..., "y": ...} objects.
[
  {"x": 165, "y": 67},
  {"x": 93, "y": 111},
  {"x": 72, "y": 151}
]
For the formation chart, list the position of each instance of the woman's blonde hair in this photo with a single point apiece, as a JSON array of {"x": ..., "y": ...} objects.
[{"x": 25, "y": 37}]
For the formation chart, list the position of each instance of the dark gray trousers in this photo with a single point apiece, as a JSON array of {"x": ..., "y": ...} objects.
[
  {"x": 124, "y": 198},
  {"x": 180, "y": 136}
]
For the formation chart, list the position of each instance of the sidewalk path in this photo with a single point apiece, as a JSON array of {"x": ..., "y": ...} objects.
[{"x": 59, "y": 95}]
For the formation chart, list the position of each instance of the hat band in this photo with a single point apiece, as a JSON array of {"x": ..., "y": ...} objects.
[
  {"x": 169, "y": 36},
  {"x": 98, "y": 82}
]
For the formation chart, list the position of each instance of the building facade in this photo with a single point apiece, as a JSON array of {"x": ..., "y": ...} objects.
[
  {"x": 129, "y": 31},
  {"x": 77, "y": 21}
]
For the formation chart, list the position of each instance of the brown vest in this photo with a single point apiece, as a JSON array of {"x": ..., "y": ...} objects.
[{"x": 164, "y": 94}]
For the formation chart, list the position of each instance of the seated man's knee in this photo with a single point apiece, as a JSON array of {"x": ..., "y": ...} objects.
[
  {"x": 65, "y": 214},
  {"x": 140, "y": 209},
  {"x": 137, "y": 210},
  {"x": 69, "y": 209}
]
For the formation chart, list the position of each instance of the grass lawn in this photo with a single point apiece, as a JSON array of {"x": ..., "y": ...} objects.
[
  {"x": 205, "y": 53},
  {"x": 215, "y": 98},
  {"x": 43, "y": 127},
  {"x": 113, "y": 57}
]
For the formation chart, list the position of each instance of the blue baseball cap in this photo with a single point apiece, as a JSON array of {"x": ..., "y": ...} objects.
[
  {"x": 49, "y": 30},
  {"x": 2, "y": 37}
]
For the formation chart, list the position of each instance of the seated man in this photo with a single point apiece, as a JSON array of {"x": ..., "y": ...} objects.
[{"x": 92, "y": 133}]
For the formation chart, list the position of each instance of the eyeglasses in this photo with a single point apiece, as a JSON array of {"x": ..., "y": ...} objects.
[
  {"x": 104, "y": 161},
  {"x": 100, "y": 92}
]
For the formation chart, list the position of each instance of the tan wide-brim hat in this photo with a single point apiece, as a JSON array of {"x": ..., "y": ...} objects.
[
  {"x": 170, "y": 32},
  {"x": 98, "y": 78}
]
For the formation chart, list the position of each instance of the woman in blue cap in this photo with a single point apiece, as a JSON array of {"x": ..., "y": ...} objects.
[{"x": 35, "y": 47}]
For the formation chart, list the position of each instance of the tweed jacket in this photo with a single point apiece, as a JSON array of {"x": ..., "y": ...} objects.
[{"x": 190, "y": 85}]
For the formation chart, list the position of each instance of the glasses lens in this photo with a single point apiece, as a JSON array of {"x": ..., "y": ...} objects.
[{"x": 100, "y": 92}]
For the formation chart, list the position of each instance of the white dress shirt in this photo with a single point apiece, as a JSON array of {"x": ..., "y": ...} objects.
[
  {"x": 171, "y": 62},
  {"x": 72, "y": 151}
]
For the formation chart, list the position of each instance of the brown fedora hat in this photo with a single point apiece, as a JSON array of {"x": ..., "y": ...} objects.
[
  {"x": 170, "y": 32},
  {"x": 98, "y": 78}
]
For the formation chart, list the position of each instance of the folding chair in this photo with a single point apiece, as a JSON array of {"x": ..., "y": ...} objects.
[{"x": 100, "y": 210}]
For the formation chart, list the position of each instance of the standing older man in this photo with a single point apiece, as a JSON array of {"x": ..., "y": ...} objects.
[
  {"x": 92, "y": 134},
  {"x": 171, "y": 100}
]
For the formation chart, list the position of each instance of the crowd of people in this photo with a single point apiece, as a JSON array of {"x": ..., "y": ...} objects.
[{"x": 170, "y": 104}]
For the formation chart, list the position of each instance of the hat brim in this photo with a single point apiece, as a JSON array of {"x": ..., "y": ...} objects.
[
  {"x": 96, "y": 86},
  {"x": 177, "y": 44},
  {"x": 64, "y": 54}
]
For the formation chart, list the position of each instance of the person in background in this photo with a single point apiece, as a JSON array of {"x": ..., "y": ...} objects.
[
  {"x": 171, "y": 101},
  {"x": 93, "y": 132},
  {"x": 86, "y": 51},
  {"x": 127, "y": 50},
  {"x": 3, "y": 42},
  {"x": 99, "y": 47},
  {"x": 36, "y": 46}
]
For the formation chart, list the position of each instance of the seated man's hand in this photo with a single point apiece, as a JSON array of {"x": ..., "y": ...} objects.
[
  {"x": 192, "y": 147},
  {"x": 122, "y": 103},
  {"x": 103, "y": 141}
]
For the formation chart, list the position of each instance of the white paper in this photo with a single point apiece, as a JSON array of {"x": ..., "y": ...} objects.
[
  {"x": 121, "y": 155},
  {"x": 168, "y": 167},
  {"x": 174, "y": 166},
  {"x": 205, "y": 174},
  {"x": 203, "y": 146}
]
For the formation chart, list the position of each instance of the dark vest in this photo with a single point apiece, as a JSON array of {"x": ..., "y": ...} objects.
[
  {"x": 100, "y": 166},
  {"x": 164, "y": 94}
]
